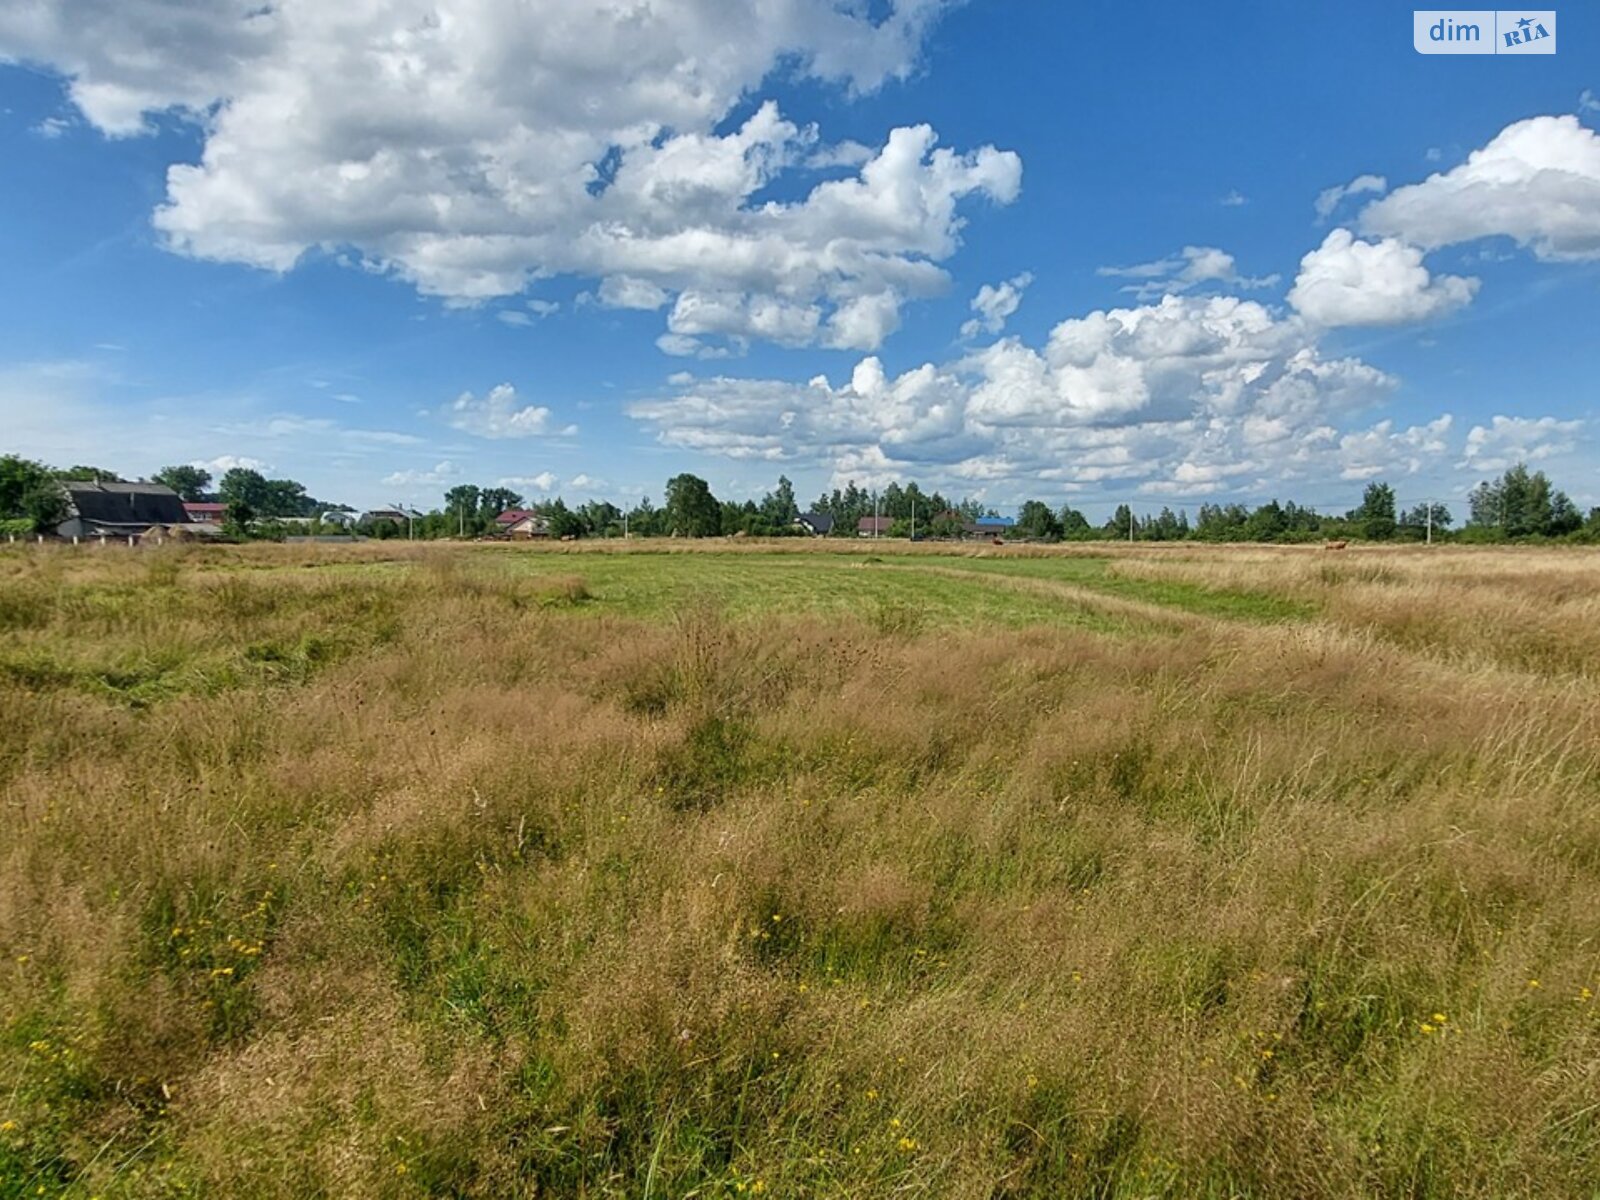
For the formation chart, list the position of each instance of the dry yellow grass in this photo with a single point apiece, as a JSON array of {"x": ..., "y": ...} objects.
[{"x": 399, "y": 872}]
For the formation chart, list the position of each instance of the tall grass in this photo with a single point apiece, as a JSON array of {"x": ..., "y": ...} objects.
[{"x": 440, "y": 873}]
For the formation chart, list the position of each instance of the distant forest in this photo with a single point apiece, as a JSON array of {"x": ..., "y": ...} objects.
[{"x": 1520, "y": 505}]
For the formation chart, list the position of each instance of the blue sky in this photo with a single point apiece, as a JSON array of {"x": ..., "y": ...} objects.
[{"x": 1140, "y": 252}]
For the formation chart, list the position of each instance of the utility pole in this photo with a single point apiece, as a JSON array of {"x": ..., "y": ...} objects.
[
  {"x": 1429, "y": 503},
  {"x": 876, "y": 520},
  {"x": 913, "y": 518},
  {"x": 1130, "y": 524}
]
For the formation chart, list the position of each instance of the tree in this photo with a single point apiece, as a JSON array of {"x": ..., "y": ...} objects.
[
  {"x": 30, "y": 492},
  {"x": 237, "y": 519},
  {"x": 562, "y": 520},
  {"x": 461, "y": 502},
  {"x": 189, "y": 482},
  {"x": 1564, "y": 516},
  {"x": 1418, "y": 519},
  {"x": 496, "y": 500},
  {"x": 1073, "y": 523},
  {"x": 1522, "y": 504},
  {"x": 1376, "y": 514},
  {"x": 692, "y": 511},
  {"x": 88, "y": 474},
  {"x": 778, "y": 508},
  {"x": 241, "y": 485},
  {"x": 1121, "y": 523},
  {"x": 600, "y": 518},
  {"x": 285, "y": 498},
  {"x": 1035, "y": 520},
  {"x": 1267, "y": 523}
]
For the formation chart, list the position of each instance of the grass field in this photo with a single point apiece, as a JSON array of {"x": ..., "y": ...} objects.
[{"x": 717, "y": 871}]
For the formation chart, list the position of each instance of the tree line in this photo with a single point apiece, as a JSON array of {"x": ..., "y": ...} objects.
[{"x": 1518, "y": 505}]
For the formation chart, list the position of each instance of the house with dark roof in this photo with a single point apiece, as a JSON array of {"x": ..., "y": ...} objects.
[
  {"x": 118, "y": 509},
  {"x": 815, "y": 523},
  {"x": 874, "y": 526}
]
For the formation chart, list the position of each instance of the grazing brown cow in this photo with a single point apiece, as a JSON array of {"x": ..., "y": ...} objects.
[{"x": 1334, "y": 545}]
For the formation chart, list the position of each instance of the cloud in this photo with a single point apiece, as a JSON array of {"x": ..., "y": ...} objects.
[
  {"x": 224, "y": 463},
  {"x": 995, "y": 304},
  {"x": 1384, "y": 451},
  {"x": 470, "y": 147},
  {"x": 441, "y": 473},
  {"x": 1329, "y": 198},
  {"x": 52, "y": 127},
  {"x": 1351, "y": 282},
  {"x": 538, "y": 310},
  {"x": 1506, "y": 441},
  {"x": 1178, "y": 273},
  {"x": 1536, "y": 182},
  {"x": 500, "y": 414},
  {"x": 681, "y": 345},
  {"x": 1199, "y": 394},
  {"x": 1588, "y": 102},
  {"x": 622, "y": 291},
  {"x": 544, "y": 481},
  {"x": 1234, "y": 199},
  {"x": 288, "y": 426}
]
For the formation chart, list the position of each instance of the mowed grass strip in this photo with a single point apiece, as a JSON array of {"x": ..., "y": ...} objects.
[{"x": 867, "y": 587}]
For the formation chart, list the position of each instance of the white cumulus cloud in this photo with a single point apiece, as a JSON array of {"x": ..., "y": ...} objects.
[
  {"x": 224, "y": 463},
  {"x": 1329, "y": 198},
  {"x": 1536, "y": 182},
  {"x": 1191, "y": 395},
  {"x": 473, "y": 146},
  {"x": 995, "y": 304},
  {"x": 441, "y": 473},
  {"x": 1387, "y": 451},
  {"x": 501, "y": 414},
  {"x": 1509, "y": 440},
  {"x": 1183, "y": 271},
  {"x": 1346, "y": 281}
]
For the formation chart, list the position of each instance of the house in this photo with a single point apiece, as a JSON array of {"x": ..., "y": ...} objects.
[
  {"x": 206, "y": 514},
  {"x": 398, "y": 515},
  {"x": 991, "y": 526},
  {"x": 529, "y": 525},
  {"x": 521, "y": 523},
  {"x": 815, "y": 523},
  {"x": 118, "y": 509},
  {"x": 874, "y": 526}
]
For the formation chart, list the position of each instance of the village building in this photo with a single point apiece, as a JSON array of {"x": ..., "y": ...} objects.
[{"x": 120, "y": 510}]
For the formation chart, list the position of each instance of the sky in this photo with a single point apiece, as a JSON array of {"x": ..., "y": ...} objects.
[{"x": 1156, "y": 253}]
